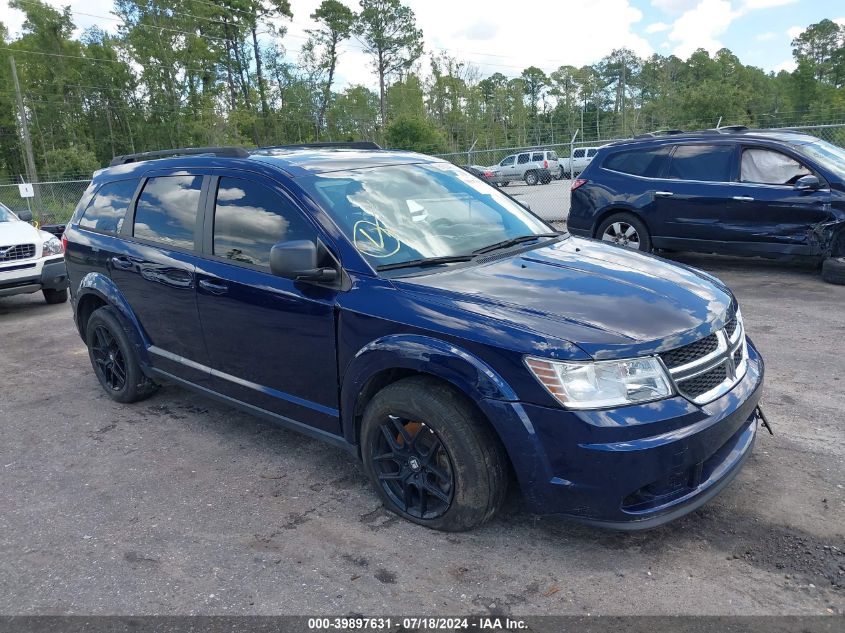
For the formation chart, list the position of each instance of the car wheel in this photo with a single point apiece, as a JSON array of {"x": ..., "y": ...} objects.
[
  {"x": 626, "y": 230},
  {"x": 431, "y": 457},
  {"x": 531, "y": 178},
  {"x": 55, "y": 296},
  {"x": 114, "y": 358},
  {"x": 559, "y": 174},
  {"x": 833, "y": 270}
]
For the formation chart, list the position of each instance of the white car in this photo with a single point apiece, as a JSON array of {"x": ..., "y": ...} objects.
[{"x": 30, "y": 259}]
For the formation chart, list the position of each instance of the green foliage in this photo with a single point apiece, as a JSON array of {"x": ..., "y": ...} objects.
[
  {"x": 67, "y": 162},
  {"x": 414, "y": 133}
]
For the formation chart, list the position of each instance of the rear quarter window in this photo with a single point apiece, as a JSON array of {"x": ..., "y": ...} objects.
[
  {"x": 537, "y": 157},
  {"x": 637, "y": 162},
  {"x": 107, "y": 209}
]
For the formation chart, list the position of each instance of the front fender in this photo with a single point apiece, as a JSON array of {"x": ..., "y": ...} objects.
[
  {"x": 466, "y": 372},
  {"x": 102, "y": 287}
]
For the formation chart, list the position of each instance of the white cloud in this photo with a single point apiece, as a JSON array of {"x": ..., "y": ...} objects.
[
  {"x": 765, "y": 37},
  {"x": 673, "y": 6},
  {"x": 701, "y": 26},
  {"x": 794, "y": 31},
  {"x": 657, "y": 27},
  {"x": 751, "y": 5},
  {"x": 789, "y": 65}
]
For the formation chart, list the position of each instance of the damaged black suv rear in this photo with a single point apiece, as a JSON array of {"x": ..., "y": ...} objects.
[{"x": 729, "y": 190}]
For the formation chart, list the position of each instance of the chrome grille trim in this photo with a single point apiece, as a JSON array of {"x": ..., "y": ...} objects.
[
  {"x": 731, "y": 345},
  {"x": 16, "y": 252}
]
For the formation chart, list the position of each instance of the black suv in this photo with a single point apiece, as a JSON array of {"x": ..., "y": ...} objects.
[{"x": 729, "y": 190}]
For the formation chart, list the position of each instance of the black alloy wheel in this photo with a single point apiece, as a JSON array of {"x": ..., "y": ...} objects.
[
  {"x": 109, "y": 362},
  {"x": 413, "y": 467}
]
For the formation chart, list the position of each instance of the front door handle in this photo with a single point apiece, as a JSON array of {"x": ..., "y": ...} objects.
[
  {"x": 213, "y": 288},
  {"x": 124, "y": 263},
  {"x": 744, "y": 198},
  {"x": 663, "y": 194}
]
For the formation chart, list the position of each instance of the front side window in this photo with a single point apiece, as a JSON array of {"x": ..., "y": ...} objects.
[
  {"x": 522, "y": 159},
  {"x": 399, "y": 213},
  {"x": 643, "y": 162},
  {"x": 768, "y": 167},
  {"x": 508, "y": 161},
  {"x": 249, "y": 219},
  {"x": 167, "y": 210},
  {"x": 709, "y": 163},
  {"x": 108, "y": 207}
]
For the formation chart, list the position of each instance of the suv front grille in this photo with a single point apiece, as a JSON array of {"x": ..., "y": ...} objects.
[
  {"x": 16, "y": 252},
  {"x": 710, "y": 367}
]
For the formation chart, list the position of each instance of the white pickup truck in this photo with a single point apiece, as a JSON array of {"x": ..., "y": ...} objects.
[
  {"x": 30, "y": 259},
  {"x": 578, "y": 162}
]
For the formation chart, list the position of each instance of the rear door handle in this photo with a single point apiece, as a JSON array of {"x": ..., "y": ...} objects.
[
  {"x": 213, "y": 288},
  {"x": 744, "y": 198},
  {"x": 123, "y": 263},
  {"x": 663, "y": 194}
]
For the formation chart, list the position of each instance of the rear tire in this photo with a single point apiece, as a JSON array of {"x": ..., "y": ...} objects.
[
  {"x": 431, "y": 457},
  {"x": 114, "y": 358},
  {"x": 531, "y": 178},
  {"x": 833, "y": 270},
  {"x": 54, "y": 296},
  {"x": 626, "y": 230}
]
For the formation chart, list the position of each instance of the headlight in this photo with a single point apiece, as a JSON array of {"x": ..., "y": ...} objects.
[
  {"x": 51, "y": 246},
  {"x": 600, "y": 384}
]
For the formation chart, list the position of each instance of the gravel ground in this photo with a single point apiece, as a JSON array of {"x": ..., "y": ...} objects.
[{"x": 177, "y": 505}]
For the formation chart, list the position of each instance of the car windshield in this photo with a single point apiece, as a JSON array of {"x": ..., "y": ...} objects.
[
  {"x": 6, "y": 215},
  {"x": 404, "y": 213},
  {"x": 828, "y": 155}
]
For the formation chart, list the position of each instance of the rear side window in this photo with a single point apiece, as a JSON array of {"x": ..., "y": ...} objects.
[
  {"x": 107, "y": 209},
  {"x": 711, "y": 163},
  {"x": 249, "y": 219},
  {"x": 643, "y": 162},
  {"x": 522, "y": 159},
  {"x": 167, "y": 210}
]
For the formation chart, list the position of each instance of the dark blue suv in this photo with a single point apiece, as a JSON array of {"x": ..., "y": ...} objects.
[
  {"x": 729, "y": 190},
  {"x": 410, "y": 313}
]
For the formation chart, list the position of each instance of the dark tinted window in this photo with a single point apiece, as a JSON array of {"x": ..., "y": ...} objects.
[
  {"x": 591, "y": 153},
  {"x": 578, "y": 153},
  {"x": 508, "y": 161},
  {"x": 537, "y": 157},
  {"x": 167, "y": 210},
  {"x": 522, "y": 159},
  {"x": 249, "y": 218},
  {"x": 702, "y": 162},
  {"x": 643, "y": 162},
  {"x": 108, "y": 207}
]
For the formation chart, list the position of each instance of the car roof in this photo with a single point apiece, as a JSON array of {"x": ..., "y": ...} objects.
[
  {"x": 293, "y": 161},
  {"x": 791, "y": 137}
]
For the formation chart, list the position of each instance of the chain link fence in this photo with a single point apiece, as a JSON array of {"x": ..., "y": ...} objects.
[
  {"x": 52, "y": 202},
  {"x": 551, "y": 201}
]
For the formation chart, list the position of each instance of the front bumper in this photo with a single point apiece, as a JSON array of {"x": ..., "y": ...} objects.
[
  {"x": 640, "y": 466},
  {"x": 33, "y": 275}
]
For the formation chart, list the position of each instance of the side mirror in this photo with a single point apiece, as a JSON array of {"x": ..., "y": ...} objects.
[
  {"x": 26, "y": 216},
  {"x": 807, "y": 183},
  {"x": 297, "y": 259}
]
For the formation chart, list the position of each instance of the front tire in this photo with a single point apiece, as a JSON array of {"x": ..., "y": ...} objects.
[
  {"x": 833, "y": 270},
  {"x": 431, "y": 457},
  {"x": 114, "y": 358},
  {"x": 626, "y": 230},
  {"x": 54, "y": 296}
]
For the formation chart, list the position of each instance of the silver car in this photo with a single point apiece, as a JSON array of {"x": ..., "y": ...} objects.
[{"x": 534, "y": 167}]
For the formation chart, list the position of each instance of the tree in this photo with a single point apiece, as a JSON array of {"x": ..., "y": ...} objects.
[
  {"x": 387, "y": 30},
  {"x": 820, "y": 47},
  {"x": 414, "y": 133},
  {"x": 336, "y": 21},
  {"x": 534, "y": 81}
]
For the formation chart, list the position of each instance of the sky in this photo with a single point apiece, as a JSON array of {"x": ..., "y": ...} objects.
[{"x": 503, "y": 36}]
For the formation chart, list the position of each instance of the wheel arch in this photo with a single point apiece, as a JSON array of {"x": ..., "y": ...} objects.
[{"x": 606, "y": 213}]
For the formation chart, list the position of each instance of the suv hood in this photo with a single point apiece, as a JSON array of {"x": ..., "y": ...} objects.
[
  {"x": 610, "y": 301},
  {"x": 18, "y": 232}
]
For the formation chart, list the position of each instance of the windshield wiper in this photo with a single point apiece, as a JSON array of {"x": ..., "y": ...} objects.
[
  {"x": 512, "y": 242},
  {"x": 426, "y": 261}
]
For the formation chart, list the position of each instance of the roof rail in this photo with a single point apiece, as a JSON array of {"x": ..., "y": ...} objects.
[
  {"x": 659, "y": 133},
  {"x": 327, "y": 145},
  {"x": 728, "y": 129},
  {"x": 232, "y": 152}
]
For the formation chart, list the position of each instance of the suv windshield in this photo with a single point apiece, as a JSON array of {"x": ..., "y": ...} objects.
[
  {"x": 403, "y": 213},
  {"x": 830, "y": 156},
  {"x": 6, "y": 215}
]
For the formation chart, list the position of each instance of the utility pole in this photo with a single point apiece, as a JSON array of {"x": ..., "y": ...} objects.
[{"x": 31, "y": 173}]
